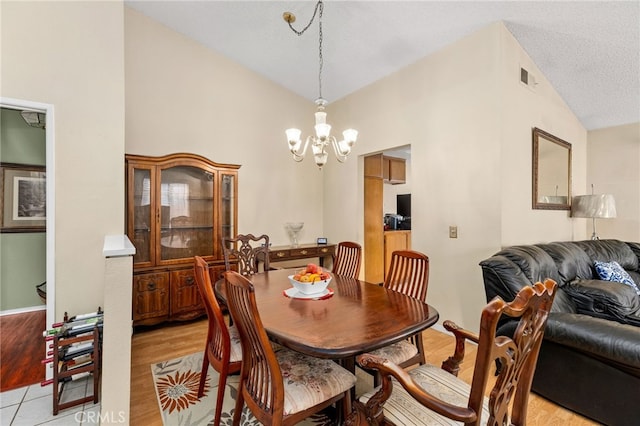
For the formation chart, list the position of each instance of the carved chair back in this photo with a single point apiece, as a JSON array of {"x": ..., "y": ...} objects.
[
  {"x": 517, "y": 356},
  {"x": 248, "y": 251}
]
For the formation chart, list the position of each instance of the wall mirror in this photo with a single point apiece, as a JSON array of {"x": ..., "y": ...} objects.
[{"x": 551, "y": 172}]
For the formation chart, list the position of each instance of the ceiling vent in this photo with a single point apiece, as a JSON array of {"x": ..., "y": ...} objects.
[{"x": 527, "y": 79}]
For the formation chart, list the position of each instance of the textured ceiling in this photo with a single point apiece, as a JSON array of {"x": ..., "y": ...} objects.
[{"x": 589, "y": 51}]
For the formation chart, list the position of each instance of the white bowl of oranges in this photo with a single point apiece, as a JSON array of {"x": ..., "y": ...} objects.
[{"x": 310, "y": 280}]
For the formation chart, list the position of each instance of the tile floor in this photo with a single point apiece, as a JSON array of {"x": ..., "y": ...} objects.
[{"x": 33, "y": 405}]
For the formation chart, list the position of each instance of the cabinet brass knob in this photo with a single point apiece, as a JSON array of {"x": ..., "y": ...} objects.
[
  {"x": 304, "y": 252},
  {"x": 151, "y": 286},
  {"x": 189, "y": 280},
  {"x": 280, "y": 254}
]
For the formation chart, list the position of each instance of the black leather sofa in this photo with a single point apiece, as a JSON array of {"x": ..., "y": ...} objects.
[{"x": 589, "y": 361}]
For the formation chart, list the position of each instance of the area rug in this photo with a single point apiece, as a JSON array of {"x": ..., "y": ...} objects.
[{"x": 176, "y": 382}]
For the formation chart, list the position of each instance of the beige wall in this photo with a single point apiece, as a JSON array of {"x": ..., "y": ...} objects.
[
  {"x": 469, "y": 125},
  {"x": 612, "y": 167},
  {"x": 182, "y": 97},
  {"x": 520, "y": 111},
  {"x": 70, "y": 54}
]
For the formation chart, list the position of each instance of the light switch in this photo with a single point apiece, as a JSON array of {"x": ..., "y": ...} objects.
[{"x": 453, "y": 232}]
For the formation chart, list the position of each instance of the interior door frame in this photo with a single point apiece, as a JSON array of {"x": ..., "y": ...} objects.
[{"x": 48, "y": 109}]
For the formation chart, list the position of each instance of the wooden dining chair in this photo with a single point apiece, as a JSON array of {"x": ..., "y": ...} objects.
[
  {"x": 347, "y": 258},
  {"x": 283, "y": 387},
  {"x": 429, "y": 395},
  {"x": 223, "y": 350},
  {"x": 247, "y": 251},
  {"x": 408, "y": 274}
]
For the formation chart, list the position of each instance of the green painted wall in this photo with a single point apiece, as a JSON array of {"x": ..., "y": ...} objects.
[{"x": 22, "y": 255}]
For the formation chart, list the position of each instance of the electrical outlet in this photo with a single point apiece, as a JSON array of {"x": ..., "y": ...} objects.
[{"x": 453, "y": 232}]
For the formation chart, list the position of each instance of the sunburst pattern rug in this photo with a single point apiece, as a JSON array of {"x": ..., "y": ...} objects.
[{"x": 176, "y": 382}]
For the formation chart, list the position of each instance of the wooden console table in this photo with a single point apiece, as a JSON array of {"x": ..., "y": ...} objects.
[{"x": 303, "y": 251}]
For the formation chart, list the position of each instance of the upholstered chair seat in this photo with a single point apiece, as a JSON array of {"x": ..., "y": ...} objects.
[
  {"x": 397, "y": 353},
  {"x": 403, "y": 409},
  {"x": 309, "y": 381},
  {"x": 236, "y": 348}
]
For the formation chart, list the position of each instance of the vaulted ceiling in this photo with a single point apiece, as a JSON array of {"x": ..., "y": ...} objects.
[{"x": 589, "y": 51}]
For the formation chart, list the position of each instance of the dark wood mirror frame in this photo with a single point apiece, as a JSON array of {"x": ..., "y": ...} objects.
[{"x": 551, "y": 172}]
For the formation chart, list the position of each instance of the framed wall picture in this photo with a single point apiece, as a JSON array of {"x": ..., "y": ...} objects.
[{"x": 23, "y": 198}]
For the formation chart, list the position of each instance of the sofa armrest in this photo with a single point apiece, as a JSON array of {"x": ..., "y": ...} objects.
[{"x": 604, "y": 299}]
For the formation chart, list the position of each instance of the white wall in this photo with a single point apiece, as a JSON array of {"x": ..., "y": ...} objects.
[
  {"x": 70, "y": 54},
  {"x": 471, "y": 160},
  {"x": 182, "y": 97},
  {"x": 612, "y": 167}
]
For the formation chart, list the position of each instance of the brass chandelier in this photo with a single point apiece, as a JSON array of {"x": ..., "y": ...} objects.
[{"x": 322, "y": 137}]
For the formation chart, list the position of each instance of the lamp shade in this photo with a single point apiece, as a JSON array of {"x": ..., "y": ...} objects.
[{"x": 594, "y": 206}]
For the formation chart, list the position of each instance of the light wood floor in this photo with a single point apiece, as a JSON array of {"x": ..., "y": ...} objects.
[{"x": 175, "y": 340}]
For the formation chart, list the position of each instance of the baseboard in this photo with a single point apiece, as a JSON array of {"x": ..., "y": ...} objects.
[{"x": 23, "y": 310}]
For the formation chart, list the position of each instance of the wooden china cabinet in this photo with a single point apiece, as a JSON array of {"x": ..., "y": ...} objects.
[{"x": 178, "y": 206}]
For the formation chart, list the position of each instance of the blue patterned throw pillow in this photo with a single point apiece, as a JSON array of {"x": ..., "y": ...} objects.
[{"x": 612, "y": 271}]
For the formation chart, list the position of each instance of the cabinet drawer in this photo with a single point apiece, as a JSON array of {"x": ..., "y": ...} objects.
[
  {"x": 150, "y": 282},
  {"x": 185, "y": 296},
  {"x": 304, "y": 252},
  {"x": 279, "y": 254},
  {"x": 150, "y": 296},
  {"x": 183, "y": 278},
  {"x": 325, "y": 251}
]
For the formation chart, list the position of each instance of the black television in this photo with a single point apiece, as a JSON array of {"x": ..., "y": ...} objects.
[{"x": 403, "y": 205}]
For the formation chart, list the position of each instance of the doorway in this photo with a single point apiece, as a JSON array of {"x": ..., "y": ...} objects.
[
  {"x": 387, "y": 174},
  {"x": 47, "y": 112}
]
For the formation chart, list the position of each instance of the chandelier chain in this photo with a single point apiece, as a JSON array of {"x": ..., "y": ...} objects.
[
  {"x": 320, "y": 59},
  {"x": 319, "y": 8}
]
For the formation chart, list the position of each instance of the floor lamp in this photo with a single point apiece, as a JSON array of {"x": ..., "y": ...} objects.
[{"x": 595, "y": 206}]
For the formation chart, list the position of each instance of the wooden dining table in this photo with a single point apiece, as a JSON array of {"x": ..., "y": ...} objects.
[{"x": 359, "y": 317}]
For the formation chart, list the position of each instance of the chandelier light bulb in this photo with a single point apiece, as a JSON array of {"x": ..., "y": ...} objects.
[
  {"x": 323, "y": 130},
  {"x": 293, "y": 135},
  {"x": 350, "y": 135}
]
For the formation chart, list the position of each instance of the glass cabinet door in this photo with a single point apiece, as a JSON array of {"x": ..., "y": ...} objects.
[
  {"x": 228, "y": 206},
  {"x": 186, "y": 196},
  {"x": 141, "y": 198}
]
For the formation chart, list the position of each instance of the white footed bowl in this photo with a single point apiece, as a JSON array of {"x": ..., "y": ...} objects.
[{"x": 310, "y": 288}]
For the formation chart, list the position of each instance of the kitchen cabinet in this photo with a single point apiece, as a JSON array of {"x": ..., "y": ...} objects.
[
  {"x": 373, "y": 219},
  {"x": 391, "y": 170},
  {"x": 393, "y": 241},
  {"x": 178, "y": 206},
  {"x": 394, "y": 170}
]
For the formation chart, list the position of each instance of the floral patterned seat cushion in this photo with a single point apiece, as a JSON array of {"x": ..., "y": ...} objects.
[
  {"x": 309, "y": 381},
  {"x": 397, "y": 353},
  {"x": 236, "y": 347},
  {"x": 402, "y": 409}
]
